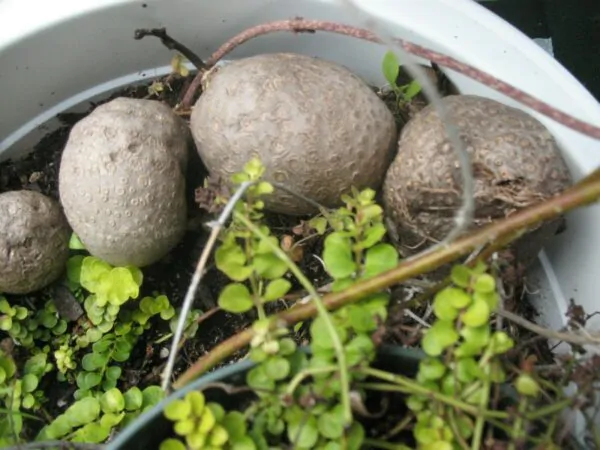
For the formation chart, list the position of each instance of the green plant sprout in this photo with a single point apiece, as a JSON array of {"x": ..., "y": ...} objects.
[
  {"x": 390, "y": 67},
  {"x": 25, "y": 327}
]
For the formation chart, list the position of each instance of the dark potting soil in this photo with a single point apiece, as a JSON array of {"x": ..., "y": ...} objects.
[{"x": 171, "y": 276}]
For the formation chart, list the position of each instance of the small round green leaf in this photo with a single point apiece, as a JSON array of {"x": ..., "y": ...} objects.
[
  {"x": 30, "y": 382},
  {"x": 236, "y": 298},
  {"x": 380, "y": 258},
  {"x": 172, "y": 444},
  {"x": 461, "y": 275},
  {"x": 476, "y": 315},
  {"x": 218, "y": 436},
  {"x": 432, "y": 369},
  {"x": 258, "y": 379},
  {"x": 197, "y": 402},
  {"x": 231, "y": 260},
  {"x": 133, "y": 398},
  {"x": 277, "y": 289},
  {"x": 28, "y": 401},
  {"x": 112, "y": 401},
  {"x": 455, "y": 297},
  {"x": 527, "y": 386},
  {"x": 178, "y": 410},
  {"x": 477, "y": 336},
  {"x": 485, "y": 283},
  {"x": 207, "y": 421},
  {"x": 277, "y": 368},
  {"x": 468, "y": 370},
  {"x": 331, "y": 423},
  {"x": 501, "y": 342},
  {"x": 439, "y": 337},
  {"x": 184, "y": 427},
  {"x": 83, "y": 411},
  {"x": 337, "y": 255},
  {"x": 303, "y": 432},
  {"x": 152, "y": 395}
]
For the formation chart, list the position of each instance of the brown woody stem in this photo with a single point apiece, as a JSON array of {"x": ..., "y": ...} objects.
[
  {"x": 584, "y": 193},
  {"x": 310, "y": 26}
]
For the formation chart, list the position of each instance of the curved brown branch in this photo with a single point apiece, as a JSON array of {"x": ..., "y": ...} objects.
[
  {"x": 510, "y": 228},
  {"x": 301, "y": 25}
]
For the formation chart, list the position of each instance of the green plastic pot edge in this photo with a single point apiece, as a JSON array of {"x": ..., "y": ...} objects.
[{"x": 393, "y": 358}]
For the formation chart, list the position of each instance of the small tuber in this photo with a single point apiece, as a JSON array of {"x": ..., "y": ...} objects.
[
  {"x": 516, "y": 163},
  {"x": 34, "y": 241},
  {"x": 122, "y": 181},
  {"x": 317, "y": 127}
]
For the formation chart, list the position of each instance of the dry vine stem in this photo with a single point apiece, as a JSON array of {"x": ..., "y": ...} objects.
[
  {"x": 504, "y": 231},
  {"x": 305, "y": 26}
]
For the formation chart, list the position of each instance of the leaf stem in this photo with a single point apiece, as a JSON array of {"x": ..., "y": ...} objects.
[
  {"x": 322, "y": 310},
  {"x": 517, "y": 429},
  {"x": 408, "y": 386},
  {"x": 301, "y": 376},
  {"x": 483, "y": 409}
]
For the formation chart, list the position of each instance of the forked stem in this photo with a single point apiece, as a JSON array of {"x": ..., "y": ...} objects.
[{"x": 306, "y": 26}]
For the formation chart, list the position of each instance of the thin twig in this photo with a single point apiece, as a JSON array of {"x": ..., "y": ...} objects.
[
  {"x": 502, "y": 231},
  {"x": 196, "y": 278},
  {"x": 571, "y": 337},
  {"x": 171, "y": 44},
  {"x": 300, "y": 25}
]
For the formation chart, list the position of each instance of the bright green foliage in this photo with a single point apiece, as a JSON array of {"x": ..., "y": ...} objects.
[
  {"x": 26, "y": 326},
  {"x": 285, "y": 378},
  {"x": 92, "y": 419},
  {"x": 109, "y": 288},
  {"x": 390, "y": 67},
  {"x": 258, "y": 273},
  {"x": 462, "y": 348},
  {"x": 89, "y": 352},
  {"x": 205, "y": 425}
]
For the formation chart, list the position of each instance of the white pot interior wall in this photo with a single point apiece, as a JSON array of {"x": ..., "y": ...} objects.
[{"x": 56, "y": 56}]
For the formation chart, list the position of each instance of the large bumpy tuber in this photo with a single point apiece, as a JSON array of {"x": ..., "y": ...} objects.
[
  {"x": 516, "y": 163},
  {"x": 34, "y": 241},
  {"x": 317, "y": 127},
  {"x": 122, "y": 181}
]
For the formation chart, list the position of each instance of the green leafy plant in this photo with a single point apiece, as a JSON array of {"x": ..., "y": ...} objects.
[
  {"x": 464, "y": 383},
  {"x": 92, "y": 419},
  {"x": 205, "y": 425},
  {"x": 109, "y": 288},
  {"x": 251, "y": 257},
  {"x": 90, "y": 353},
  {"x": 391, "y": 68}
]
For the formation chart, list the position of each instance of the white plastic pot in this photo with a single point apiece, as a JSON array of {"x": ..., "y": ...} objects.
[{"x": 56, "y": 56}]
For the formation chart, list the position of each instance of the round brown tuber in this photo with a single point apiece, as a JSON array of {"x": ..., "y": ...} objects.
[
  {"x": 317, "y": 127},
  {"x": 34, "y": 241},
  {"x": 516, "y": 163},
  {"x": 122, "y": 181}
]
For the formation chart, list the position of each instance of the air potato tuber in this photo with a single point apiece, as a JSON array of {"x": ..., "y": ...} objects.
[
  {"x": 122, "y": 181},
  {"x": 317, "y": 127},
  {"x": 34, "y": 241},
  {"x": 516, "y": 163}
]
